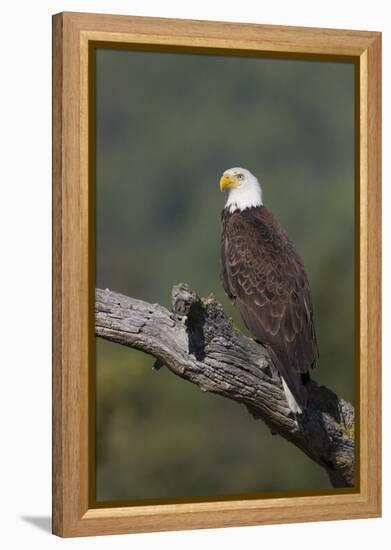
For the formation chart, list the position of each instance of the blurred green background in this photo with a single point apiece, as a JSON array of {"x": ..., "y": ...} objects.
[{"x": 167, "y": 126}]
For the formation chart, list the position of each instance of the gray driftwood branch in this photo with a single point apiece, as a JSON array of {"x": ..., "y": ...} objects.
[{"x": 196, "y": 341}]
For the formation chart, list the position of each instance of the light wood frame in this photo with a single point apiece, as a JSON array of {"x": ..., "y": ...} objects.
[{"x": 72, "y": 34}]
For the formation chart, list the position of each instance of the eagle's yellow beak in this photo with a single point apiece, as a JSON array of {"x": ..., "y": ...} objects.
[{"x": 227, "y": 182}]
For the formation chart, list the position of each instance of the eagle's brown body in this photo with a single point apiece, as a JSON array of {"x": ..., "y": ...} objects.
[{"x": 264, "y": 276}]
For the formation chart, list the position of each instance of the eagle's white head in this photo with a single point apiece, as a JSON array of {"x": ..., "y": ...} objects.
[{"x": 244, "y": 190}]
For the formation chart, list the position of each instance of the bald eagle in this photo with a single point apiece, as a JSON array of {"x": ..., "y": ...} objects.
[{"x": 264, "y": 276}]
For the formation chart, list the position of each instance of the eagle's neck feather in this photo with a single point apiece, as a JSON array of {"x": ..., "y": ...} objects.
[{"x": 242, "y": 198}]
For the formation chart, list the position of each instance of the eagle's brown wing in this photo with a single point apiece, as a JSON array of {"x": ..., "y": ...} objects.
[{"x": 265, "y": 277}]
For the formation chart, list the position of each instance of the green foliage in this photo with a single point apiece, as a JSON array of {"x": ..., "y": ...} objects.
[{"x": 167, "y": 126}]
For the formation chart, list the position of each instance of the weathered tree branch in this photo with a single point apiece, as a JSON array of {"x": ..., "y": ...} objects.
[{"x": 197, "y": 342}]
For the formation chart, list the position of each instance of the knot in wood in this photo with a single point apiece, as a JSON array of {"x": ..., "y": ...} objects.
[{"x": 183, "y": 300}]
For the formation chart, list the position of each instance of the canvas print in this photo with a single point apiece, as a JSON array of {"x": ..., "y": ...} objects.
[{"x": 225, "y": 268}]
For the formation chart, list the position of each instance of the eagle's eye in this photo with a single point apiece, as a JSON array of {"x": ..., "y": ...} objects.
[{"x": 240, "y": 176}]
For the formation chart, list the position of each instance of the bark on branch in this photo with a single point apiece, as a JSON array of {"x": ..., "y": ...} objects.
[{"x": 196, "y": 341}]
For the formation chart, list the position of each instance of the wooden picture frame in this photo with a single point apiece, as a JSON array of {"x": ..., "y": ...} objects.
[{"x": 73, "y": 292}]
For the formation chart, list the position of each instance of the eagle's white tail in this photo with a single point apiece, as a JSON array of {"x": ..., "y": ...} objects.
[{"x": 293, "y": 404}]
